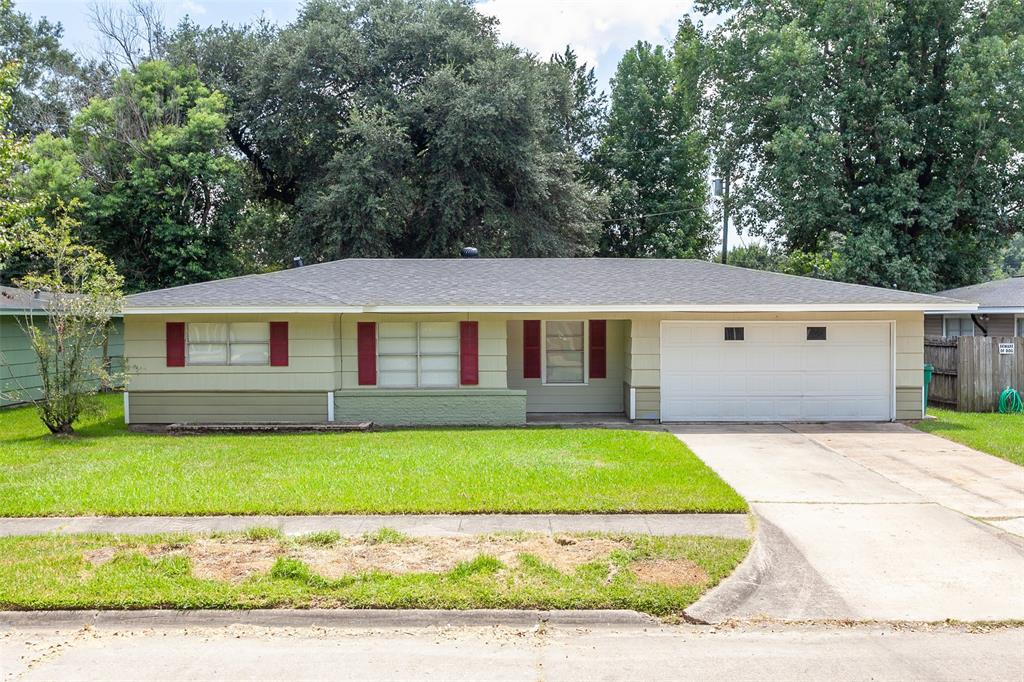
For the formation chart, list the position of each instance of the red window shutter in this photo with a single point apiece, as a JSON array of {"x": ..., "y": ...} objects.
[
  {"x": 531, "y": 349},
  {"x": 278, "y": 344},
  {"x": 598, "y": 349},
  {"x": 367, "y": 346},
  {"x": 175, "y": 344},
  {"x": 469, "y": 353}
]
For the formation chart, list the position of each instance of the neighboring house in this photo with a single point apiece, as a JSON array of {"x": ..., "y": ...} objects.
[
  {"x": 19, "y": 373},
  {"x": 1000, "y": 311},
  {"x": 487, "y": 341}
]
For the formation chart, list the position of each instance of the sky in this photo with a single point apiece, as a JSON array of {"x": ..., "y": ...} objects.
[{"x": 600, "y": 31}]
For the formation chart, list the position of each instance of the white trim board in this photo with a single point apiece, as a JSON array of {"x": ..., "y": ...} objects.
[{"x": 526, "y": 309}]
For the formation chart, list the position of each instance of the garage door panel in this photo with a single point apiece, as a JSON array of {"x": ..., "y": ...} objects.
[{"x": 775, "y": 373}]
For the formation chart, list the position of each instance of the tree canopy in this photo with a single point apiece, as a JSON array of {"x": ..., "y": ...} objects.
[
  {"x": 872, "y": 141},
  {"x": 404, "y": 128},
  {"x": 655, "y": 153},
  {"x": 889, "y": 133}
]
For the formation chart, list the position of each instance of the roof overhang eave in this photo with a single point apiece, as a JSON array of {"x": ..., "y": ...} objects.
[
  {"x": 522, "y": 309},
  {"x": 980, "y": 310}
]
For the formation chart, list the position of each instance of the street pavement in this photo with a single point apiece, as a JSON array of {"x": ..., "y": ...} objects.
[{"x": 764, "y": 652}]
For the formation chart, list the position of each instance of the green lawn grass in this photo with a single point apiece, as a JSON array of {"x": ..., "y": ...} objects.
[
  {"x": 107, "y": 469},
  {"x": 1001, "y": 435},
  {"x": 54, "y": 572}
]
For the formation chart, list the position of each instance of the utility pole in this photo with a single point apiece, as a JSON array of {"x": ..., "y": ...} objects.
[{"x": 721, "y": 189}]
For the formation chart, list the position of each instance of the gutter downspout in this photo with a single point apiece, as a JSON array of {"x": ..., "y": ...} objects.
[{"x": 979, "y": 325}]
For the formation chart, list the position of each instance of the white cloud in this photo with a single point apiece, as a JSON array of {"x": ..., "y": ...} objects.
[
  {"x": 598, "y": 30},
  {"x": 192, "y": 8}
]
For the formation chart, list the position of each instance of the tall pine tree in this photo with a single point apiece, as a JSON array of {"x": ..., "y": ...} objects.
[{"x": 654, "y": 153}]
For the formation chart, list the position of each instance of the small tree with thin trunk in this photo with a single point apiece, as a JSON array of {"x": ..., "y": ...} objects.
[{"x": 79, "y": 293}]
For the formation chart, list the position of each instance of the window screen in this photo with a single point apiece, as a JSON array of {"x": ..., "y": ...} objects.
[
  {"x": 734, "y": 333},
  {"x": 413, "y": 354},
  {"x": 817, "y": 333},
  {"x": 959, "y": 325},
  {"x": 220, "y": 343},
  {"x": 563, "y": 352}
]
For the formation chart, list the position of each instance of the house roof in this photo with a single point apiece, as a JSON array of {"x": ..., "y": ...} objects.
[
  {"x": 507, "y": 284},
  {"x": 999, "y": 295}
]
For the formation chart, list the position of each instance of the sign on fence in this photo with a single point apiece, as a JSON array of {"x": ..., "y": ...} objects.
[{"x": 1006, "y": 348}]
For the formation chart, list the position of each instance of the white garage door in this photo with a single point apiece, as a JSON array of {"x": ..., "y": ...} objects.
[{"x": 776, "y": 371}]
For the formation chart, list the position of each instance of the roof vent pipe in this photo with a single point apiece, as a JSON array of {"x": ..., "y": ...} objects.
[
  {"x": 297, "y": 262},
  {"x": 470, "y": 252}
]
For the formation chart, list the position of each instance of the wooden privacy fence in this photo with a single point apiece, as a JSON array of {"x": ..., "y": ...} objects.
[{"x": 970, "y": 371}]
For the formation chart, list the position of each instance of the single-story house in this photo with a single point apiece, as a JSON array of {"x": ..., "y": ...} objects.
[
  {"x": 1000, "y": 310},
  {"x": 19, "y": 373},
  {"x": 491, "y": 341}
]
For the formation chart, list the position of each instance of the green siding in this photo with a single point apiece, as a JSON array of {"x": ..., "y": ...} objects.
[
  {"x": 210, "y": 407},
  {"x": 19, "y": 373},
  {"x": 908, "y": 402},
  {"x": 648, "y": 403},
  {"x": 454, "y": 407},
  {"x": 19, "y": 378}
]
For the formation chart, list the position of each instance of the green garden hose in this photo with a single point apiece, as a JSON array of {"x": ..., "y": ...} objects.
[{"x": 1010, "y": 401}]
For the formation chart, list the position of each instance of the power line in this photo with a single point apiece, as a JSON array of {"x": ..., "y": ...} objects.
[{"x": 652, "y": 215}]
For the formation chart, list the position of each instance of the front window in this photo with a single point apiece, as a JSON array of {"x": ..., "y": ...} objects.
[
  {"x": 221, "y": 343},
  {"x": 564, "y": 356},
  {"x": 1020, "y": 326},
  {"x": 418, "y": 354},
  {"x": 959, "y": 325}
]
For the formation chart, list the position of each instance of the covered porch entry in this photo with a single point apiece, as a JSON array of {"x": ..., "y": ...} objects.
[{"x": 573, "y": 369}]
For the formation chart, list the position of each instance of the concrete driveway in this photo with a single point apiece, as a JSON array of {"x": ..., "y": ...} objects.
[{"x": 867, "y": 521}]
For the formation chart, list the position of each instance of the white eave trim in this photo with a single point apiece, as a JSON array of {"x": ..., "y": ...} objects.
[
  {"x": 979, "y": 310},
  {"x": 659, "y": 308}
]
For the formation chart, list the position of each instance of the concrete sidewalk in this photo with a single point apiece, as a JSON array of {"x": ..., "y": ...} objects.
[{"x": 719, "y": 525}]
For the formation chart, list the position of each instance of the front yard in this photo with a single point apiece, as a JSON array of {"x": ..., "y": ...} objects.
[
  {"x": 1001, "y": 435},
  {"x": 110, "y": 470},
  {"x": 657, "y": 575}
]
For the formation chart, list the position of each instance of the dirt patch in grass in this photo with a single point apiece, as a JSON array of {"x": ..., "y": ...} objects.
[
  {"x": 671, "y": 572},
  {"x": 437, "y": 555},
  {"x": 236, "y": 559},
  {"x": 225, "y": 559}
]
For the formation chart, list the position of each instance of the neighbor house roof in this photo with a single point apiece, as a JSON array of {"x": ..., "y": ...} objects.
[
  {"x": 523, "y": 284},
  {"x": 14, "y": 301},
  {"x": 997, "y": 296}
]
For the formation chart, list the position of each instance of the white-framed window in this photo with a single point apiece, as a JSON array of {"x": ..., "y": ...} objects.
[
  {"x": 564, "y": 354},
  {"x": 957, "y": 325},
  {"x": 418, "y": 354},
  {"x": 223, "y": 343},
  {"x": 1020, "y": 325}
]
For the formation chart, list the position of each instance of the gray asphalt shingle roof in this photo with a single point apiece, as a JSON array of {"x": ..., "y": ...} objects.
[
  {"x": 13, "y": 299},
  {"x": 999, "y": 293},
  {"x": 519, "y": 282}
]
